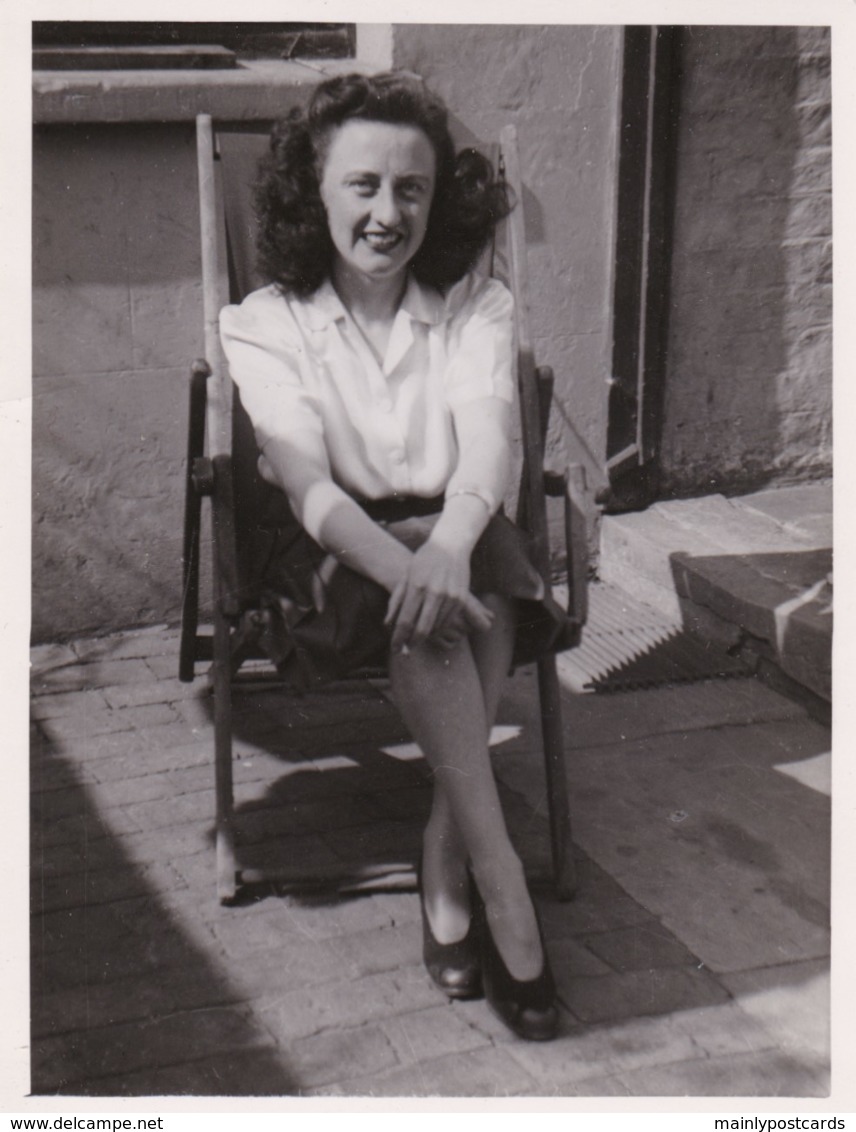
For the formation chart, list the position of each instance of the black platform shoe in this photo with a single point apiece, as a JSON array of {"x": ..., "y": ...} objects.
[
  {"x": 454, "y": 967},
  {"x": 526, "y": 1006}
]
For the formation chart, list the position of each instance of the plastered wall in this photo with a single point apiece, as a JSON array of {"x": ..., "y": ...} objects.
[
  {"x": 116, "y": 321},
  {"x": 559, "y": 86},
  {"x": 748, "y": 392}
]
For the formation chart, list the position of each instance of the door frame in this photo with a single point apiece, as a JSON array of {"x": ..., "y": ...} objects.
[{"x": 644, "y": 211}]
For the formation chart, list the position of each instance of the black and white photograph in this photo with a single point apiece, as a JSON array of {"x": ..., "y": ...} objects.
[{"x": 431, "y": 560}]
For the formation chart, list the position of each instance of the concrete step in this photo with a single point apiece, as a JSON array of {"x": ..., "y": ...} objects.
[
  {"x": 636, "y": 556},
  {"x": 752, "y": 573}
]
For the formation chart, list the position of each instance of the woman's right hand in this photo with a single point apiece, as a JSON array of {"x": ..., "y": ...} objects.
[{"x": 433, "y": 601}]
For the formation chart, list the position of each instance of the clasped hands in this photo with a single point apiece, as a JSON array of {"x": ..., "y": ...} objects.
[{"x": 433, "y": 601}]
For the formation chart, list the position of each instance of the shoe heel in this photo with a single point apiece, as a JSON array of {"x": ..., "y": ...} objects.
[
  {"x": 526, "y": 1006},
  {"x": 454, "y": 967}
]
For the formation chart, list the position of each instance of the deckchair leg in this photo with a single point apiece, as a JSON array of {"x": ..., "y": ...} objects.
[
  {"x": 564, "y": 866},
  {"x": 222, "y": 679}
]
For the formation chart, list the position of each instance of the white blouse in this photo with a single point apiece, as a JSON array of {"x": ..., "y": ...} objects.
[{"x": 305, "y": 371}]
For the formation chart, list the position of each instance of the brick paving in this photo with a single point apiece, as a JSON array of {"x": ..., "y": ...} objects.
[{"x": 693, "y": 961}]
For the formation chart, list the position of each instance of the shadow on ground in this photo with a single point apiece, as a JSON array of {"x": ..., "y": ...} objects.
[{"x": 118, "y": 987}]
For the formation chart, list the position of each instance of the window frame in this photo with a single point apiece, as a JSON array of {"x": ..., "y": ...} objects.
[{"x": 156, "y": 44}]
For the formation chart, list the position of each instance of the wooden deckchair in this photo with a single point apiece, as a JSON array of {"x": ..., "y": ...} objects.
[{"x": 221, "y": 462}]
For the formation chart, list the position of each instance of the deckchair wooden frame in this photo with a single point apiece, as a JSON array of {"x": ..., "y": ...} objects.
[{"x": 210, "y": 475}]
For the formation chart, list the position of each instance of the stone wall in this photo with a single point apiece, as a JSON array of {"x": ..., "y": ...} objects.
[{"x": 748, "y": 394}]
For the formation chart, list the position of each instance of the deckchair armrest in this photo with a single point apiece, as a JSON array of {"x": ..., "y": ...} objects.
[
  {"x": 570, "y": 485},
  {"x": 576, "y": 541},
  {"x": 190, "y": 643},
  {"x": 212, "y": 478},
  {"x": 223, "y": 522}
]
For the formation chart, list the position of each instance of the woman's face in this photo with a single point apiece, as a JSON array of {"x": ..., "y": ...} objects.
[{"x": 377, "y": 185}]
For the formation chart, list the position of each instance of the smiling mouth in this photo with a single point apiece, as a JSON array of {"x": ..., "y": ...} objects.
[{"x": 382, "y": 241}]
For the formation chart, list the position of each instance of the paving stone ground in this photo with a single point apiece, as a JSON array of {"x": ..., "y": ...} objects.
[{"x": 693, "y": 961}]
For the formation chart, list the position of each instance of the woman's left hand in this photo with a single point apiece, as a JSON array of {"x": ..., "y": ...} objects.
[{"x": 434, "y": 600}]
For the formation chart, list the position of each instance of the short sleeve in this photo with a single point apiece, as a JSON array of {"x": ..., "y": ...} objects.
[
  {"x": 264, "y": 351},
  {"x": 479, "y": 362}
]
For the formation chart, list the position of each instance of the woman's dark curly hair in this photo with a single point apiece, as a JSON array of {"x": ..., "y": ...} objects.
[{"x": 294, "y": 246}]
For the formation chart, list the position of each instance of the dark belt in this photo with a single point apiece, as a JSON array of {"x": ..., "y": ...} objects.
[{"x": 396, "y": 507}]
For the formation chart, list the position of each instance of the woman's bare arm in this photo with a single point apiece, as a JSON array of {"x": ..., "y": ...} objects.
[
  {"x": 483, "y": 429},
  {"x": 342, "y": 527},
  {"x": 423, "y": 602},
  {"x": 331, "y": 516}
]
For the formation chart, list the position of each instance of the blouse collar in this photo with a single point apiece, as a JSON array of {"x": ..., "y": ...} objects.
[{"x": 420, "y": 303}]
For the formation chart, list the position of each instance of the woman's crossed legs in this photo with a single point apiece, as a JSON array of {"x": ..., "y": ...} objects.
[{"x": 449, "y": 699}]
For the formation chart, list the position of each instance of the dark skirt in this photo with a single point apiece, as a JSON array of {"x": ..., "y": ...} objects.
[{"x": 323, "y": 621}]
